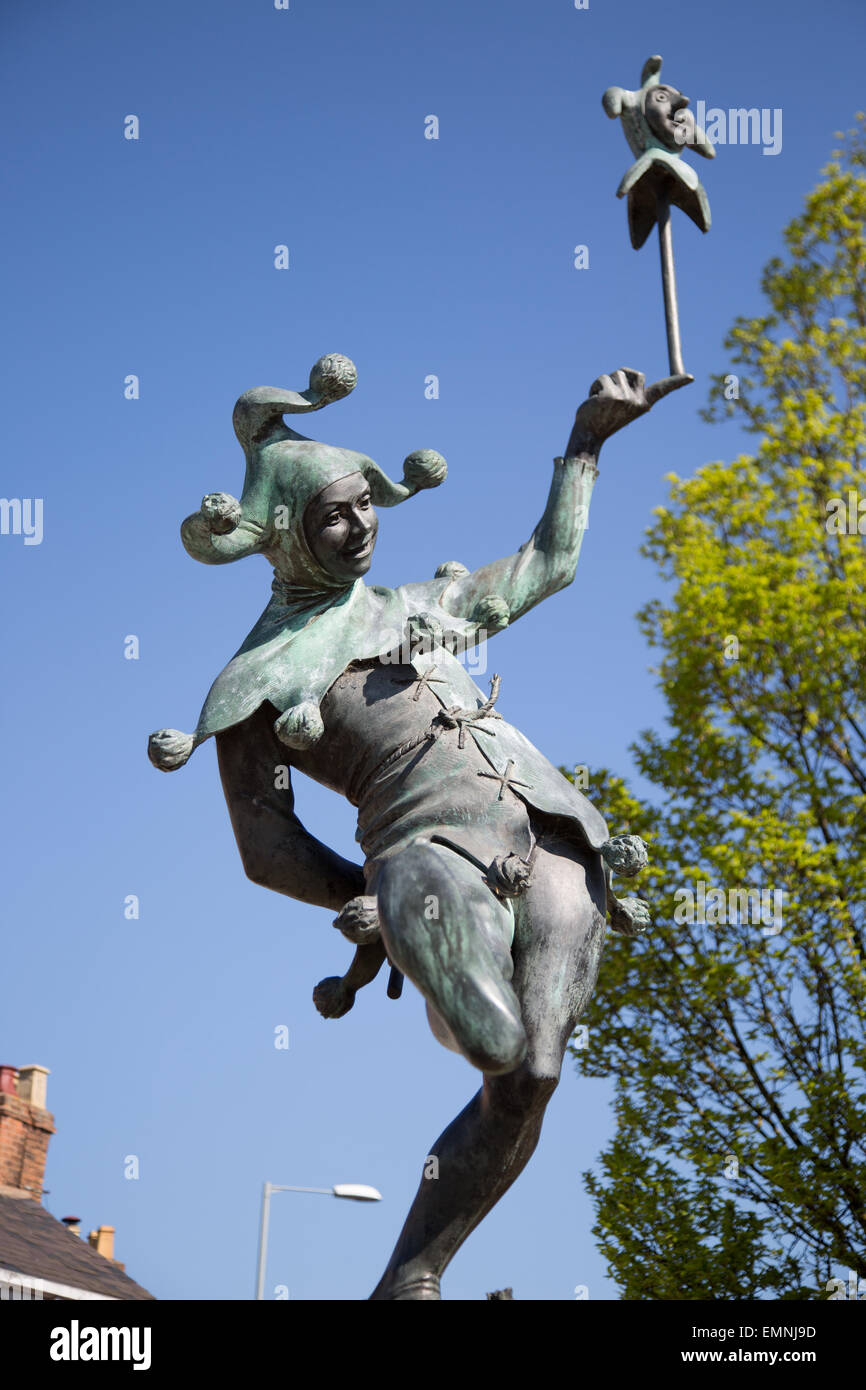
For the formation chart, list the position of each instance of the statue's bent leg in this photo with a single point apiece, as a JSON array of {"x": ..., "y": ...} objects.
[
  {"x": 557, "y": 948},
  {"x": 443, "y": 927}
]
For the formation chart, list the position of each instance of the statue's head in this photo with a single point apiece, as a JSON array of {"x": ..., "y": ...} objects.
[
  {"x": 325, "y": 515},
  {"x": 340, "y": 527},
  {"x": 656, "y": 112},
  {"x": 663, "y": 106}
]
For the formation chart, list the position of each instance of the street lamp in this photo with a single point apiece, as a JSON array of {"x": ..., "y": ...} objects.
[{"x": 354, "y": 1191}]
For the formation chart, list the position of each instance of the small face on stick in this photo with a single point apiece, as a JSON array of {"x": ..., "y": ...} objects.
[
  {"x": 664, "y": 107},
  {"x": 340, "y": 526}
]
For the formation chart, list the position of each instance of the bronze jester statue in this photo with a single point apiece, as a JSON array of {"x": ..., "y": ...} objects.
[{"x": 486, "y": 874}]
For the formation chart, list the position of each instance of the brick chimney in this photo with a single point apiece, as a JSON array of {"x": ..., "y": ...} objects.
[{"x": 25, "y": 1129}]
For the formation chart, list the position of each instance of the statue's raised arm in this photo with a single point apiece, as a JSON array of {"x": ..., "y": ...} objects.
[{"x": 548, "y": 560}]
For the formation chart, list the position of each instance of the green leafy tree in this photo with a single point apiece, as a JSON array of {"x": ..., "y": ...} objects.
[{"x": 738, "y": 1168}]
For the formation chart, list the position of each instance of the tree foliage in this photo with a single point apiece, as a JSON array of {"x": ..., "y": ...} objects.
[{"x": 738, "y": 1168}]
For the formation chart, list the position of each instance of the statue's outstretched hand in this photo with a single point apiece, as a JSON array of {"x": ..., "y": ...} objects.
[
  {"x": 222, "y": 513},
  {"x": 614, "y": 401}
]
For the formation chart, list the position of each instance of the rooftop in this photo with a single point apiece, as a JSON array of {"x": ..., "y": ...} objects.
[{"x": 34, "y": 1245}]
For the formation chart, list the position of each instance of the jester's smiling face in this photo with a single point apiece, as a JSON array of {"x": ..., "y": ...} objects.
[
  {"x": 664, "y": 108},
  {"x": 340, "y": 526}
]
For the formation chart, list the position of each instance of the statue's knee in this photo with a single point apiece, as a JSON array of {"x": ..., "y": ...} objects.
[
  {"x": 493, "y": 1040},
  {"x": 528, "y": 1088},
  {"x": 501, "y": 1056}
]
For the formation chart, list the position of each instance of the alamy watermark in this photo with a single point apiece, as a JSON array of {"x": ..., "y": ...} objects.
[
  {"x": 713, "y": 907},
  {"x": 427, "y": 638},
  {"x": 839, "y": 1290},
  {"x": 737, "y": 126},
  {"x": 77, "y": 1343},
  {"x": 18, "y": 1287},
  {"x": 22, "y": 516},
  {"x": 846, "y": 516}
]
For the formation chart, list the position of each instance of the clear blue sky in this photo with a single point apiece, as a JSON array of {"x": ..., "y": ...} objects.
[{"x": 413, "y": 257}]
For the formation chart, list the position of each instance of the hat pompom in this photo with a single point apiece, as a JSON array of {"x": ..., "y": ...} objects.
[
  {"x": 509, "y": 875},
  {"x": 451, "y": 569},
  {"x": 333, "y": 997},
  {"x": 358, "y": 920},
  {"x": 492, "y": 613},
  {"x": 625, "y": 854},
  {"x": 169, "y": 749},
  {"x": 300, "y": 727},
  {"x": 333, "y": 377},
  {"x": 424, "y": 468}
]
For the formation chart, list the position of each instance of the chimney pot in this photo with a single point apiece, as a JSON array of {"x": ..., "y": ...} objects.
[
  {"x": 105, "y": 1242},
  {"x": 72, "y": 1224},
  {"x": 32, "y": 1085},
  {"x": 7, "y": 1080}
]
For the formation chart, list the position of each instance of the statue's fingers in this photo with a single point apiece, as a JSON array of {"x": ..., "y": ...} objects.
[
  {"x": 629, "y": 387},
  {"x": 634, "y": 380},
  {"x": 665, "y": 386},
  {"x": 620, "y": 381},
  {"x": 602, "y": 386}
]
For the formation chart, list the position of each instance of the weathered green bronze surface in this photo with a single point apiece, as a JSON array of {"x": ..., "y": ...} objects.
[
  {"x": 659, "y": 127},
  {"x": 486, "y": 874}
]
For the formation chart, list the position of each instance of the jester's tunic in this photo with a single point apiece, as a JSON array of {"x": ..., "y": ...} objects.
[{"x": 467, "y": 782}]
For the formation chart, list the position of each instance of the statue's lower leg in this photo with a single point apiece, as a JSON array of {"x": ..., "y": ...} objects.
[{"x": 478, "y": 1158}]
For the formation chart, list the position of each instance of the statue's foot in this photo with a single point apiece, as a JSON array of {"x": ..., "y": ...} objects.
[{"x": 419, "y": 1288}]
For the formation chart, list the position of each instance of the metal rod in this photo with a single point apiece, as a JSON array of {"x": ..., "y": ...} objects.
[
  {"x": 263, "y": 1241},
  {"x": 669, "y": 285},
  {"x": 325, "y": 1191}
]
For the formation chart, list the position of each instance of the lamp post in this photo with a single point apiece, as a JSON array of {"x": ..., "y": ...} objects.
[{"x": 354, "y": 1192}]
